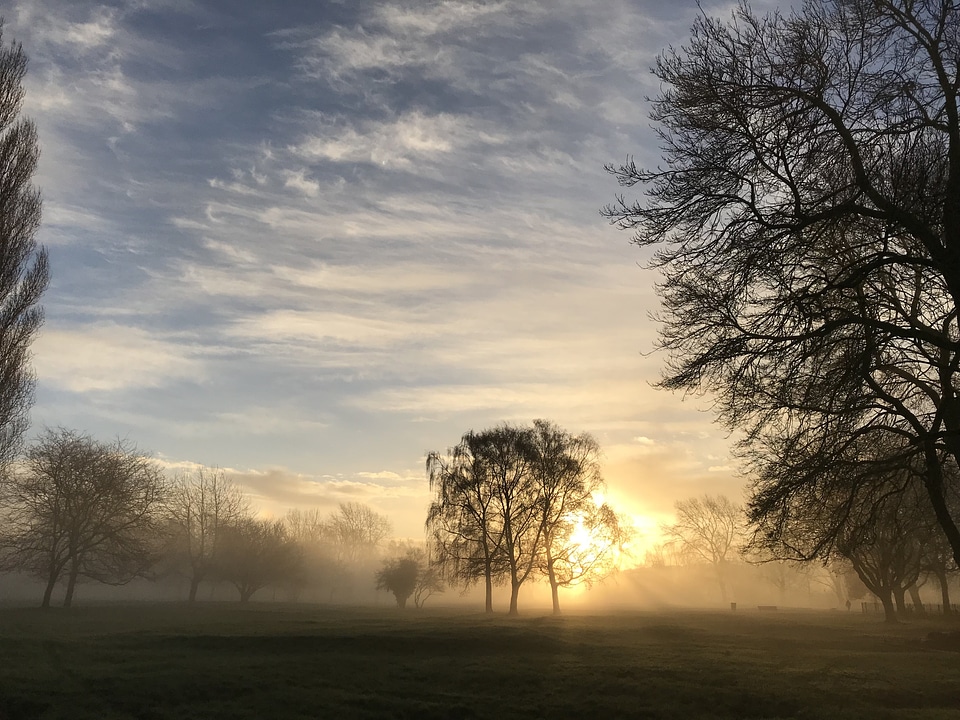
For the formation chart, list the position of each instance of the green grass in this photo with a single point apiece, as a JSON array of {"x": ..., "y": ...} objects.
[{"x": 265, "y": 661}]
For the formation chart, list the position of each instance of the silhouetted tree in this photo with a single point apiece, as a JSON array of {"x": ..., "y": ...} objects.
[
  {"x": 509, "y": 502},
  {"x": 586, "y": 547},
  {"x": 24, "y": 268},
  {"x": 429, "y": 583},
  {"x": 807, "y": 220},
  {"x": 463, "y": 520},
  {"x": 565, "y": 473},
  {"x": 255, "y": 553},
  {"x": 868, "y": 507},
  {"x": 708, "y": 529},
  {"x": 399, "y": 576},
  {"x": 884, "y": 551},
  {"x": 409, "y": 573},
  {"x": 83, "y": 508},
  {"x": 200, "y": 506}
]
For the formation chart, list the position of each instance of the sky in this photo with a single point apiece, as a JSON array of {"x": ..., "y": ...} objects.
[{"x": 309, "y": 243}]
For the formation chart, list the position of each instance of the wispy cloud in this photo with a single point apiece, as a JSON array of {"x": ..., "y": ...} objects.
[{"x": 317, "y": 244}]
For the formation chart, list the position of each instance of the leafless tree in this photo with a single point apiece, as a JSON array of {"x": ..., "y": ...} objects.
[
  {"x": 82, "y": 508},
  {"x": 255, "y": 553},
  {"x": 885, "y": 552},
  {"x": 708, "y": 529},
  {"x": 200, "y": 507},
  {"x": 24, "y": 270},
  {"x": 867, "y": 508},
  {"x": 807, "y": 224},
  {"x": 306, "y": 527},
  {"x": 463, "y": 523},
  {"x": 429, "y": 583},
  {"x": 581, "y": 540},
  {"x": 585, "y": 548},
  {"x": 508, "y": 501},
  {"x": 357, "y": 531}
]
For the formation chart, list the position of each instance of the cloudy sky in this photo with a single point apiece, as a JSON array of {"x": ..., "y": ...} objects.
[{"x": 310, "y": 242}]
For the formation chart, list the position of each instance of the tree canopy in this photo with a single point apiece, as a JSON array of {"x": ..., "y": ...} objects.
[
  {"x": 806, "y": 220},
  {"x": 508, "y": 501}
]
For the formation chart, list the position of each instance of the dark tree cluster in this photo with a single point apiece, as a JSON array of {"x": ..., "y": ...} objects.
[
  {"x": 410, "y": 574},
  {"x": 806, "y": 220},
  {"x": 516, "y": 502}
]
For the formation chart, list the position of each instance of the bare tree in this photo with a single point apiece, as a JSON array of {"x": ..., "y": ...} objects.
[
  {"x": 581, "y": 540},
  {"x": 463, "y": 523},
  {"x": 306, "y": 527},
  {"x": 708, "y": 529},
  {"x": 507, "y": 455},
  {"x": 885, "y": 554},
  {"x": 429, "y": 583},
  {"x": 200, "y": 507},
  {"x": 24, "y": 269},
  {"x": 584, "y": 548},
  {"x": 83, "y": 508},
  {"x": 509, "y": 501},
  {"x": 357, "y": 530},
  {"x": 807, "y": 220},
  {"x": 868, "y": 508},
  {"x": 255, "y": 553}
]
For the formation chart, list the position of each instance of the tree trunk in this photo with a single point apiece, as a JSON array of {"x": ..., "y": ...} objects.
[
  {"x": 401, "y": 601},
  {"x": 194, "y": 586},
  {"x": 889, "y": 611},
  {"x": 488, "y": 579},
  {"x": 917, "y": 602},
  {"x": 514, "y": 594},
  {"x": 944, "y": 591},
  {"x": 51, "y": 584},
  {"x": 899, "y": 594},
  {"x": 933, "y": 480},
  {"x": 71, "y": 583},
  {"x": 554, "y": 586}
]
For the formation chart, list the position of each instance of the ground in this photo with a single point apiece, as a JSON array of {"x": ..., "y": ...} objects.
[{"x": 299, "y": 661}]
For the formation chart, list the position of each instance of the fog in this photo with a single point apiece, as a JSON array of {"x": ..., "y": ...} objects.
[{"x": 636, "y": 589}]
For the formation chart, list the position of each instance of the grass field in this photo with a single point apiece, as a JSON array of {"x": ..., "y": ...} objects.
[{"x": 269, "y": 661}]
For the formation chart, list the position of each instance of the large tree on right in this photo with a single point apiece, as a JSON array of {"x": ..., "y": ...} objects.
[{"x": 806, "y": 221}]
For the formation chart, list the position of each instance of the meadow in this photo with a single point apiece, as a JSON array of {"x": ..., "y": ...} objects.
[{"x": 158, "y": 661}]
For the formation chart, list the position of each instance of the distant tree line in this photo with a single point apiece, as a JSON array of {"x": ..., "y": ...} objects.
[
  {"x": 890, "y": 550},
  {"x": 74, "y": 508}
]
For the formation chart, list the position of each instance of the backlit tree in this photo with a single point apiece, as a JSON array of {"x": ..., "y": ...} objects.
[{"x": 806, "y": 219}]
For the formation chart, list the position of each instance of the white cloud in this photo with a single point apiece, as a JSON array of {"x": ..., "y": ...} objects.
[
  {"x": 301, "y": 183},
  {"x": 317, "y": 326},
  {"x": 410, "y": 137},
  {"x": 111, "y": 357},
  {"x": 424, "y": 20}
]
